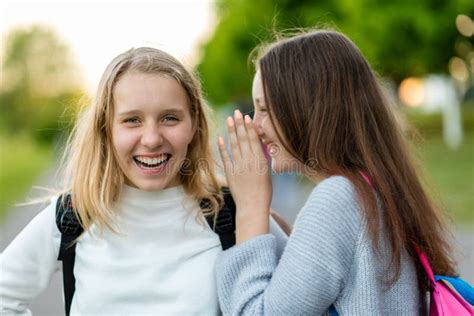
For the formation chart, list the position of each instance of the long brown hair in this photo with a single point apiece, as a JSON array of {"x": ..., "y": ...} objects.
[{"x": 334, "y": 118}]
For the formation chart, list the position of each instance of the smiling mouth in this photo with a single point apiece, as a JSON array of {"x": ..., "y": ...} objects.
[{"x": 152, "y": 163}]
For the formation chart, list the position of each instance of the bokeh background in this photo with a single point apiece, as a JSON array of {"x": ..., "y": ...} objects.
[{"x": 53, "y": 53}]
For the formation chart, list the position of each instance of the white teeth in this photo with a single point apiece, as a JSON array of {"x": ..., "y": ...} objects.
[{"x": 152, "y": 161}]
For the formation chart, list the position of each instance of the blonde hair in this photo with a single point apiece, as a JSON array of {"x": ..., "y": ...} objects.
[{"x": 91, "y": 172}]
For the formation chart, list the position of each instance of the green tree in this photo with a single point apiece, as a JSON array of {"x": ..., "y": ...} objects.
[
  {"x": 399, "y": 38},
  {"x": 39, "y": 81}
]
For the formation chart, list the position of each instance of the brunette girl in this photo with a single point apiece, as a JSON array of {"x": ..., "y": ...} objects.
[{"x": 321, "y": 112}]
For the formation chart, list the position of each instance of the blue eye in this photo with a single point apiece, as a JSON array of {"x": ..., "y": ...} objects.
[
  {"x": 170, "y": 118},
  {"x": 132, "y": 120}
]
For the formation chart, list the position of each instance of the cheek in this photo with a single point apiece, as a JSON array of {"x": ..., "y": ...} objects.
[
  {"x": 190, "y": 135},
  {"x": 263, "y": 124},
  {"x": 123, "y": 141},
  {"x": 268, "y": 129},
  {"x": 257, "y": 118},
  {"x": 180, "y": 137}
]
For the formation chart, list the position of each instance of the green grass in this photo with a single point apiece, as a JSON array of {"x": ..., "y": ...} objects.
[
  {"x": 452, "y": 175},
  {"x": 21, "y": 162}
]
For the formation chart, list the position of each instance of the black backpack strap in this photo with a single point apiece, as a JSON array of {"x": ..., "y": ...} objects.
[
  {"x": 70, "y": 228},
  {"x": 225, "y": 221}
]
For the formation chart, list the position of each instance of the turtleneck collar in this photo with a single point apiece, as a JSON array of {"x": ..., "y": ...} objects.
[
  {"x": 164, "y": 205},
  {"x": 169, "y": 194}
]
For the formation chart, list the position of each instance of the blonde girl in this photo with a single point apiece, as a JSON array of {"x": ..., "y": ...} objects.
[{"x": 137, "y": 166}]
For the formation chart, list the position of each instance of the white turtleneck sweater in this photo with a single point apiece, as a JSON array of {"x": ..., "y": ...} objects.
[{"x": 161, "y": 263}]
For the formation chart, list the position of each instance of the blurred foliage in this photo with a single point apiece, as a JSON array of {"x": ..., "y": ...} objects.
[
  {"x": 399, "y": 38},
  {"x": 450, "y": 175},
  {"x": 428, "y": 124},
  {"x": 39, "y": 82},
  {"x": 25, "y": 161}
]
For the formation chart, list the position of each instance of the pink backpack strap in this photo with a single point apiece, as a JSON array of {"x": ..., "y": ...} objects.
[
  {"x": 426, "y": 265},
  {"x": 366, "y": 178}
]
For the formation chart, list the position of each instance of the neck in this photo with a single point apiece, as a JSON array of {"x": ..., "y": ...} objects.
[{"x": 315, "y": 177}]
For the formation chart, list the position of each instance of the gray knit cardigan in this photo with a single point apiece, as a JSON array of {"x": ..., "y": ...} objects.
[{"x": 329, "y": 260}]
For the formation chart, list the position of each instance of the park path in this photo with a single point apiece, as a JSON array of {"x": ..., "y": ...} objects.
[{"x": 289, "y": 195}]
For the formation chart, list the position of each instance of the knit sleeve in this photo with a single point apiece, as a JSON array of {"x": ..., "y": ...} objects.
[
  {"x": 28, "y": 263},
  {"x": 312, "y": 269}
]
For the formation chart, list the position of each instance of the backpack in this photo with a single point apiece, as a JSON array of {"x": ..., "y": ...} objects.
[
  {"x": 449, "y": 295},
  {"x": 70, "y": 228}
]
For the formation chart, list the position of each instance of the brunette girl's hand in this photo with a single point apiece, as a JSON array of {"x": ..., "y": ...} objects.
[{"x": 247, "y": 173}]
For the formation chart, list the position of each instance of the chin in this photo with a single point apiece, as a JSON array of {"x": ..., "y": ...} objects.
[{"x": 152, "y": 186}]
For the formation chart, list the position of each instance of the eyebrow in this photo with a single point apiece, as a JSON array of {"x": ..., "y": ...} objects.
[
  {"x": 125, "y": 113},
  {"x": 134, "y": 112}
]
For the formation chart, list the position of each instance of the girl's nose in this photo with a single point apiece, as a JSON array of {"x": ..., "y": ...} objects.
[
  {"x": 151, "y": 137},
  {"x": 257, "y": 122}
]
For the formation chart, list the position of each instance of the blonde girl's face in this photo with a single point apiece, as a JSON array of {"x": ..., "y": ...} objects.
[
  {"x": 151, "y": 129},
  {"x": 281, "y": 159}
]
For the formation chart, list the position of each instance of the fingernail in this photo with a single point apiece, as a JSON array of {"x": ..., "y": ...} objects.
[
  {"x": 248, "y": 120},
  {"x": 230, "y": 121},
  {"x": 237, "y": 114},
  {"x": 220, "y": 141}
]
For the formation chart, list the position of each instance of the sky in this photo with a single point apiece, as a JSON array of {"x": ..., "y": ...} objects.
[{"x": 98, "y": 30}]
